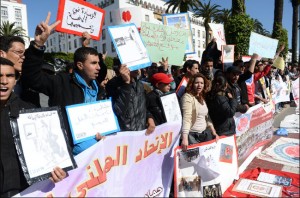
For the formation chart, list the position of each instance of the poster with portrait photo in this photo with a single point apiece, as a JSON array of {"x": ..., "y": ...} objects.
[
  {"x": 41, "y": 143},
  {"x": 130, "y": 46},
  {"x": 181, "y": 21}
]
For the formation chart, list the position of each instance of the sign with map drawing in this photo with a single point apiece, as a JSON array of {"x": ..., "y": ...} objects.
[
  {"x": 171, "y": 107},
  {"x": 40, "y": 140},
  {"x": 88, "y": 119},
  {"x": 130, "y": 46},
  {"x": 78, "y": 16}
]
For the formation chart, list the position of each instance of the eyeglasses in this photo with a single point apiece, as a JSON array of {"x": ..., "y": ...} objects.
[{"x": 19, "y": 53}]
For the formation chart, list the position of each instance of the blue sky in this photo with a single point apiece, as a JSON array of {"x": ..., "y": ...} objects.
[{"x": 263, "y": 10}]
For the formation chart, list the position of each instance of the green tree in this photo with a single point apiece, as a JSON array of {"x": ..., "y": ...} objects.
[
  {"x": 258, "y": 26},
  {"x": 208, "y": 12},
  {"x": 10, "y": 29},
  {"x": 295, "y": 4},
  {"x": 238, "y": 7},
  {"x": 109, "y": 62},
  {"x": 222, "y": 16},
  {"x": 238, "y": 30},
  {"x": 181, "y": 5}
]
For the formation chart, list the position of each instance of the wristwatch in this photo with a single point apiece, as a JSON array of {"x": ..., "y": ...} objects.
[{"x": 40, "y": 47}]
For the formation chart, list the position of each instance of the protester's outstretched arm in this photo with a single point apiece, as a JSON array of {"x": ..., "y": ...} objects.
[
  {"x": 254, "y": 57},
  {"x": 278, "y": 52},
  {"x": 43, "y": 31}
]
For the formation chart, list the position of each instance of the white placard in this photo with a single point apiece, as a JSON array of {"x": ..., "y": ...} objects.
[
  {"x": 78, "y": 16},
  {"x": 129, "y": 45},
  {"x": 87, "y": 119},
  {"x": 171, "y": 107},
  {"x": 43, "y": 144},
  {"x": 218, "y": 34}
]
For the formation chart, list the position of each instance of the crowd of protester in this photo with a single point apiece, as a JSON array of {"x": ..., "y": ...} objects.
[{"x": 211, "y": 98}]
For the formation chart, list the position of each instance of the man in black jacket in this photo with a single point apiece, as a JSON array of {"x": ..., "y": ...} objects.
[
  {"x": 64, "y": 89},
  {"x": 11, "y": 175},
  {"x": 129, "y": 100}
]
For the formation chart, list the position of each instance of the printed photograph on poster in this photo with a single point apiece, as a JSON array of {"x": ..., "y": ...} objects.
[
  {"x": 40, "y": 138},
  {"x": 226, "y": 153},
  {"x": 88, "y": 119},
  {"x": 79, "y": 16},
  {"x": 212, "y": 191},
  {"x": 274, "y": 179},
  {"x": 171, "y": 107},
  {"x": 192, "y": 185},
  {"x": 181, "y": 21},
  {"x": 257, "y": 188},
  {"x": 126, "y": 37}
]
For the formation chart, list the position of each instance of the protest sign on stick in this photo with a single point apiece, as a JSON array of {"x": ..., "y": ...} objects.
[
  {"x": 227, "y": 56},
  {"x": 262, "y": 45},
  {"x": 218, "y": 34}
]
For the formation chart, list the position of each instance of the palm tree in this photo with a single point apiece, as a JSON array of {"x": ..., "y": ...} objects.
[
  {"x": 258, "y": 26},
  {"x": 181, "y": 5},
  {"x": 295, "y": 4},
  {"x": 278, "y": 12},
  {"x": 265, "y": 33},
  {"x": 238, "y": 7},
  {"x": 9, "y": 29},
  {"x": 222, "y": 16},
  {"x": 208, "y": 12}
]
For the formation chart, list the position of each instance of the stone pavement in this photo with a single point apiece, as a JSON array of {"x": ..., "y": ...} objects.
[{"x": 271, "y": 165}]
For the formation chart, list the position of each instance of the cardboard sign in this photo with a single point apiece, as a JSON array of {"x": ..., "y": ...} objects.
[
  {"x": 164, "y": 41},
  {"x": 129, "y": 45},
  {"x": 264, "y": 46},
  {"x": 78, "y": 16},
  {"x": 87, "y": 119},
  {"x": 227, "y": 56},
  {"x": 40, "y": 139},
  {"x": 181, "y": 21},
  {"x": 218, "y": 34}
]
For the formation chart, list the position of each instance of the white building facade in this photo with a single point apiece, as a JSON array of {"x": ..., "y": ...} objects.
[
  {"x": 150, "y": 9},
  {"x": 15, "y": 11}
]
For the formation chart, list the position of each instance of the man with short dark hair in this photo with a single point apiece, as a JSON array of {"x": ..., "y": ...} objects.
[
  {"x": 11, "y": 175},
  {"x": 64, "y": 89}
]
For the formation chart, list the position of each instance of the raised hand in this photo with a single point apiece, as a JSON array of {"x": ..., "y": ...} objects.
[
  {"x": 43, "y": 30},
  {"x": 86, "y": 38}
]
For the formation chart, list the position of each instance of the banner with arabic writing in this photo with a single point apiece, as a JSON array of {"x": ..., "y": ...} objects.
[
  {"x": 206, "y": 169},
  {"x": 164, "y": 41},
  {"x": 126, "y": 164},
  {"x": 78, "y": 16}
]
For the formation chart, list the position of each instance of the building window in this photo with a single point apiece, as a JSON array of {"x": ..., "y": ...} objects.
[
  {"x": 193, "y": 31},
  {"x": 147, "y": 18},
  {"x": 75, "y": 43},
  {"x": 203, "y": 34},
  {"x": 4, "y": 13},
  {"x": 54, "y": 41},
  {"x": 113, "y": 49},
  {"x": 203, "y": 44},
  {"x": 18, "y": 14},
  {"x": 198, "y": 33},
  {"x": 199, "y": 45},
  {"x": 70, "y": 45},
  {"x": 50, "y": 42},
  {"x": 199, "y": 53},
  {"x": 103, "y": 34},
  {"x": 103, "y": 48},
  {"x": 110, "y": 17}
]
